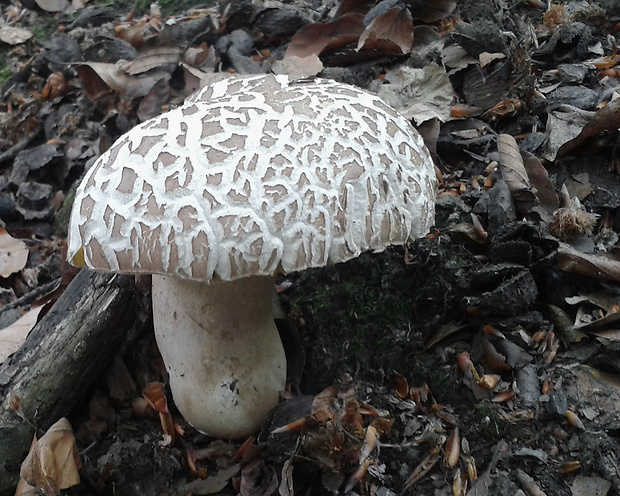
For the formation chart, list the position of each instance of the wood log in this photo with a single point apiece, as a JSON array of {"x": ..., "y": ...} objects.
[{"x": 64, "y": 353}]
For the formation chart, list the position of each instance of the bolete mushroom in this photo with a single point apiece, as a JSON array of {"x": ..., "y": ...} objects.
[{"x": 251, "y": 176}]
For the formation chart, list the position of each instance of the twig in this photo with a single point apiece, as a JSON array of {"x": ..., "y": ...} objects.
[{"x": 33, "y": 295}]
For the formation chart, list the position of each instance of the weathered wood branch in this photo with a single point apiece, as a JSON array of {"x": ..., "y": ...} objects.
[{"x": 65, "y": 352}]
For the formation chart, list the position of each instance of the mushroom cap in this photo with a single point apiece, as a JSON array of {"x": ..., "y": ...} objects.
[{"x": 253, "y": 175}]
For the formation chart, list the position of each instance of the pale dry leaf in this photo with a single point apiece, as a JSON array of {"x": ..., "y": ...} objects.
[
  {"x": 13, "y": 254},
  {"x": 486, "y": 58},
  {"x": 25, "y": 489},
  {"x": 564, "y": 125},
  {"x": 419, "y": 94},
  {"x": 298, "y": 67},
  {"x": 12, "y": 35},
  {"x": 53, "y": 461},
  {"x": 13, "y": 336},
  {"x": 53, "y": 5}
]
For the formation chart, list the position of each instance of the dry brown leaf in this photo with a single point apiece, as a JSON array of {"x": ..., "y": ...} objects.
[
  {"x": 495, "y": 360},
  {"x": 166, "y": 58},
  {"x": 100, "y": 79},
  {"x": 599, "y": 267},
  {"x": 352, "y": 7},
  {"x": 391, "y": 31},
  {"x": 12, "y": 336},
  {"x": 544, "y": 190},
  {"x": 53, "y": 461},
  {"x": 320, "y": 38},
  {"x": 13, "y": 254},
  {"x": 400, "y": 384},
  {"x": 607, "y": 118},
  {"x": 153, "y": 393},
  {"x": 514, "y": 174}
]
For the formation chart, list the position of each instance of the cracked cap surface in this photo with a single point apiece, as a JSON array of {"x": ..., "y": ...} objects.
[{"x": 253, "y": 175}]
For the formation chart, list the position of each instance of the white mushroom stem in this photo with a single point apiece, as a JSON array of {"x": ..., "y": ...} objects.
[{"x": 222, "y": 351}]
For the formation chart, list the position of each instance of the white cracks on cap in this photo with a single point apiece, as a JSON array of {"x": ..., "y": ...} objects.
[{"x": 253, "y": 174}]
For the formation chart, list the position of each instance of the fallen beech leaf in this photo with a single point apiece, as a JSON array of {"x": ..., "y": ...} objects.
[
  {"x": 419, "y": 94},
  {"x": 543, "y": 188},
  {"x": 165, "y": 58},
  {"x": 604, "y": 119},
  {"x": 298, "y": 67},
  {"x": 320, "y": 38},
  {"x": 503, "y": 397},
  {"x": 391, "y": 31},
  {"x": 53, "y": 461},
  {"x": 486, "y": 58},
  {"x": 13, "y": 254},
  {"x": 599, "y": 267},
  {"x": 514, "y": 174},
  {"x": 400, "y": 384},
  {"x": 12, "y": 336},
  {"x": 495, "y": 360},
  {"x": 99, "y": 79},
  {"x": 12, "y": 35}
]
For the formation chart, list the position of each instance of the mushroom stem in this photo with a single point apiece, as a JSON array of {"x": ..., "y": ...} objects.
[{"x": 222, "y": 351}]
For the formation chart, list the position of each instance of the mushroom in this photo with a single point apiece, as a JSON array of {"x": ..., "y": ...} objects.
[{"x": 252, "y": 176}]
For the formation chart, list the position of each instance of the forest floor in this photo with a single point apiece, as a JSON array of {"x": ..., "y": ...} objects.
[{"x": 479, "y": 360}]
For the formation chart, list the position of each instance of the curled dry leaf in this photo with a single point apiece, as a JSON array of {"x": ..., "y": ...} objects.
[
  {"x": 391, "y": 31},
  {"x": 495, "y": 360},
  {"x": 12, "y": 336},
  {"x": 320, "y": 38},
  {"x": 598, "y": 267},
  {"x": 55, "y": 86},
  {"x": 514, "y": 174},
  {"x": 605, "y": 119},
  {"x": 153, "y": 393},
  {"x": 53, "y": 461},
  {"x": 401, "y": 386},
  {"x": 13, "y": 254}
]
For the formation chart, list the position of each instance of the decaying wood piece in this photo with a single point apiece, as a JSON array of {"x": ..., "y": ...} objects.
[{"x": 62, "y": 356}]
